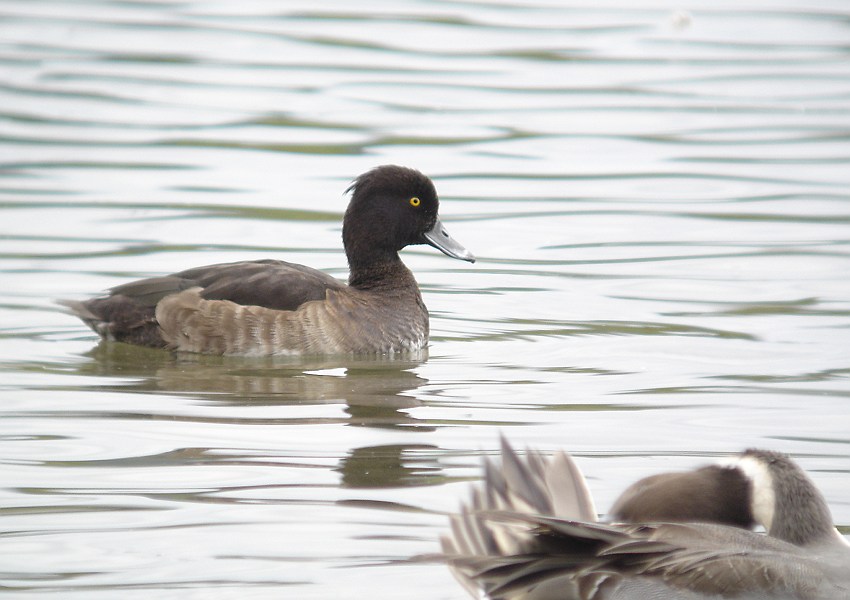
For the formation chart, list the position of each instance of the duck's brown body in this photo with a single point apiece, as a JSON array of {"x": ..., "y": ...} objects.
[
  {"x": 345, "y": 321},
  {"x": 271, "y": 307}
]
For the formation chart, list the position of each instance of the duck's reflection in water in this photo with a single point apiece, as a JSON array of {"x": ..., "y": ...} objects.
[
  {"x": 391, "y": 466},
  {"x": 375, "y": 391}
]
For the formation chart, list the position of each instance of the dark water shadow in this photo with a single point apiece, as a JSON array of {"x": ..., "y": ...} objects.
[{"x": 391, "y": 465}]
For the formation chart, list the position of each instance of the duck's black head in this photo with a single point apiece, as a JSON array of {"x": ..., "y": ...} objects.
[{"x": 392, "y": 207}]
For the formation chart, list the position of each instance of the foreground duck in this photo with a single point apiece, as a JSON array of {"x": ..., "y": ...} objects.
[
  {"x": 272, "y": 307},
  {"x": 530, "y": 532}
]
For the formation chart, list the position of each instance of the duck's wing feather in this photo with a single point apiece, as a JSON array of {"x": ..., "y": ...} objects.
[
  {"x": 524, "y": 485},
  {"x": 127, "y": 313},
  {"x": 274, "y": 284},
  {"x": 530, "y": 484},
  {"x": 571, "y": 560},
  {"x": 539, "y": 485}
]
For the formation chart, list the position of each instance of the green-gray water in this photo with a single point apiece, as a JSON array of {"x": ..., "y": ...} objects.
[{"x": 659, "y": 200}]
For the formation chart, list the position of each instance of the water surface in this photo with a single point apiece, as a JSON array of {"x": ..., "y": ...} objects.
[{"x": 657, "y": 198}]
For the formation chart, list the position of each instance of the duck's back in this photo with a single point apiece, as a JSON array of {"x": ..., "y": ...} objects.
[
  {"x": 274, "y": 284},
  {"x": 128, "y": 312}
]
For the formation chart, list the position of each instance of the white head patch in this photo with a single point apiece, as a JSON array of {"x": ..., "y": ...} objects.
[{"x": 764, "y": 497}]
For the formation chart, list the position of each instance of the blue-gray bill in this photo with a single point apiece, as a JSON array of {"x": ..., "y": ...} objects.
[{"x": 438, "y": 237}]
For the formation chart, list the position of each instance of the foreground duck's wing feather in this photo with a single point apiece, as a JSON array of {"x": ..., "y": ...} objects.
[
  {"x": 592, "y": 561},
  {"x": 547, "y": 564},
  {"x": 529, "y": 484},
  {"x": 544, "y": 486}
]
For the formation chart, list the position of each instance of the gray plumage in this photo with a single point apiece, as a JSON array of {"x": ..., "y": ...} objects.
[{"x": 529, "y": 532}]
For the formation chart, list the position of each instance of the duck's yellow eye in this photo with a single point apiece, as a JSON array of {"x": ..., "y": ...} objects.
[{"x": 414, "y": 202}]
